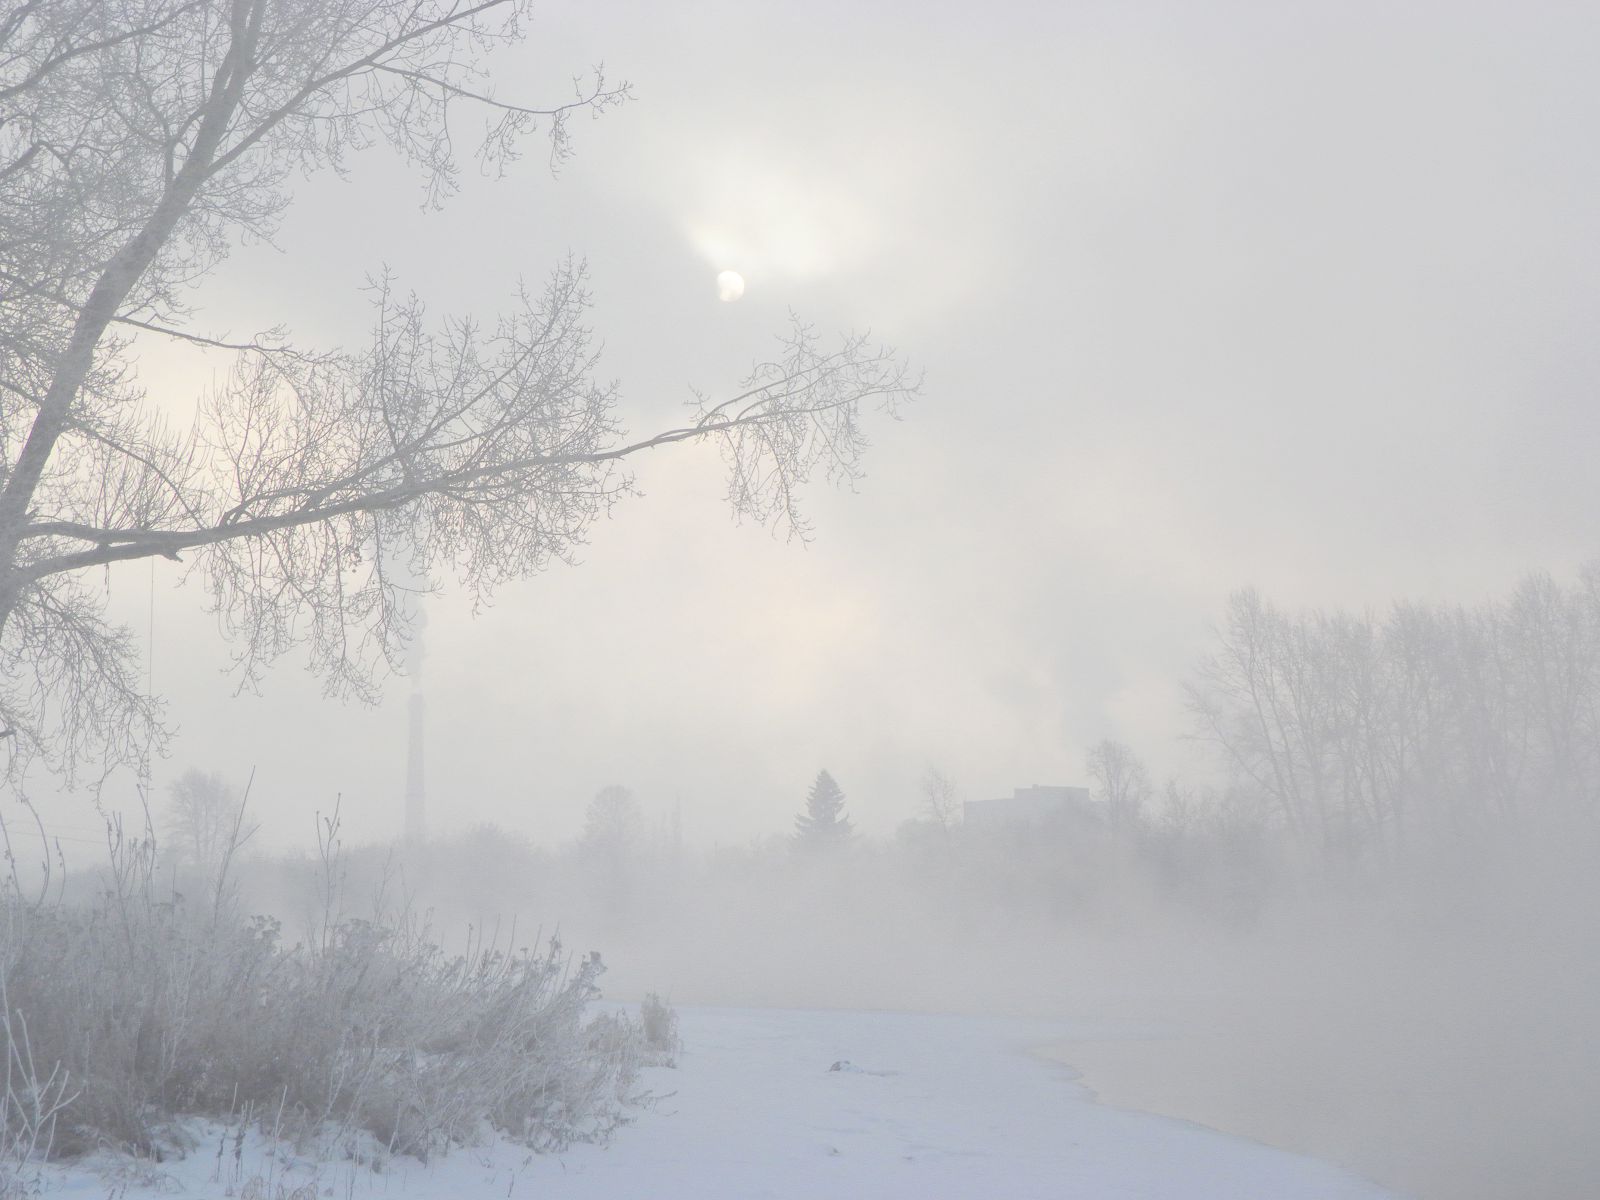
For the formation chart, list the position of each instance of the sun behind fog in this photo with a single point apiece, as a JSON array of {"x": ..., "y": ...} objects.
[{"x": 730, "y": 285}]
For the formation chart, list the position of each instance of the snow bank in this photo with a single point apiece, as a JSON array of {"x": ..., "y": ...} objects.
[{"x": 940, "y": 1107}]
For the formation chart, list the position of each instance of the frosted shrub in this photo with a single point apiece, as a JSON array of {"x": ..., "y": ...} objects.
[
  {"x": 658, "y": 1022},
  {"x": 137, "y": 1012}
]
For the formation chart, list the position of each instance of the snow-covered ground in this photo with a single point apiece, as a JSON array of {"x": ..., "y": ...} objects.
[{"x": 923, "y": 1107}]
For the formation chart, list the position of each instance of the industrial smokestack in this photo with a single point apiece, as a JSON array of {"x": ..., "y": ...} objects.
[
  {"x": 412, "y": 584},
  {"x": 416, "y": 815}
]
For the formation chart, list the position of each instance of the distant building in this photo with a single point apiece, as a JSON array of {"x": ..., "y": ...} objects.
[{"x": 1034, "y": 805}]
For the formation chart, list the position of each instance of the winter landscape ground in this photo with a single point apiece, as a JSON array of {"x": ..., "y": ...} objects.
[{"x": 921, "y": 1107}]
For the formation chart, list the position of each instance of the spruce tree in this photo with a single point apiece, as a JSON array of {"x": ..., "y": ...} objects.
[{"x": 823, "y": 824}]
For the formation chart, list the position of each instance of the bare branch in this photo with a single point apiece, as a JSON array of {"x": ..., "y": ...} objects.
[{"x": 142, "y": 138}]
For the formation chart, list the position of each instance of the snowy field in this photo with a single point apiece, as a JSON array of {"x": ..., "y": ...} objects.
[{"x": 924, "y": 1106}]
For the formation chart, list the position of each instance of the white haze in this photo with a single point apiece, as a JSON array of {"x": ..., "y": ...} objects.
[
  {"x": 1299, "y": 297},
  {"x": 1206, "y": 297},
  {"x": 1433, "y": 1030}
]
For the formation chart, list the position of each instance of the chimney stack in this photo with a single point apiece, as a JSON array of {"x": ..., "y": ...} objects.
[{"x": 416, "y": 819}]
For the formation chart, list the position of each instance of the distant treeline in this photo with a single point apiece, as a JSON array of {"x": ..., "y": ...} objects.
[
  {"x": 1432, "y": 756},
  {"x": 1373, "y": 736}
]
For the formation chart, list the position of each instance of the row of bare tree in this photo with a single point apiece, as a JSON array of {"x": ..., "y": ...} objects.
[{"x": 1375, "y": 735}]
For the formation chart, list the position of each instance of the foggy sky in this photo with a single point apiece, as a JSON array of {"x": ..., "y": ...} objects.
[{"x": 1207, "y": 295}]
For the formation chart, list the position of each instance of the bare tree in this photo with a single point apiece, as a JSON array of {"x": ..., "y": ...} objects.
[
  {"x": 1121, "y": 781},
  {"x": 939, "y": 800},
  {"x": 1259, "y": 699},
  {"x": 201, "y": 812},
  {"x": 205, "y": 829},
  {"x": 1365, "y": 734},
  {"x": 140, "y": 139},
  {"x": 613, "y": 819}
]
